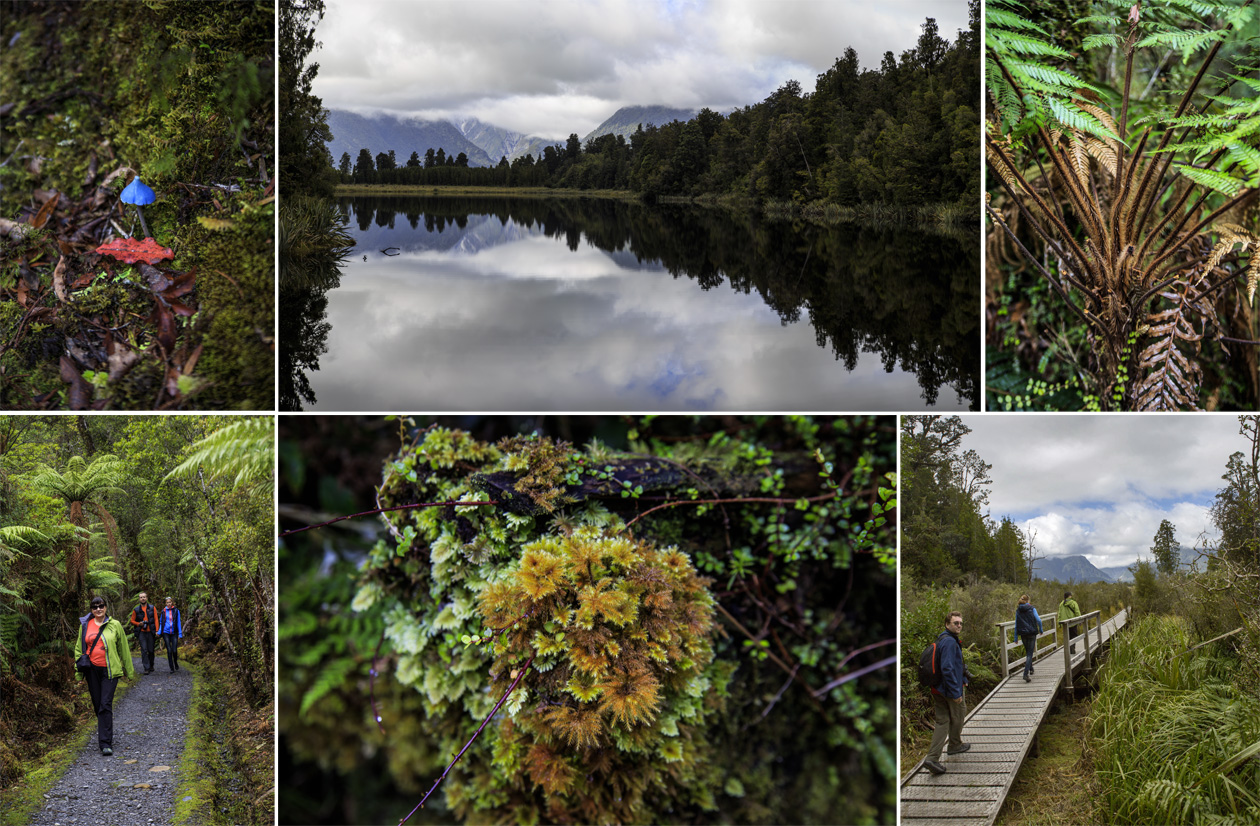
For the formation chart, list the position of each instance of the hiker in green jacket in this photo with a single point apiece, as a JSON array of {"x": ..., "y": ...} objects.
[
  {"x": 104, "y": 641},
  {"x": 1068, "y": 608}
]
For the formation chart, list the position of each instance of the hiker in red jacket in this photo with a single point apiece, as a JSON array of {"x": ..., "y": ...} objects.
[{"x": 144, "y": 619}]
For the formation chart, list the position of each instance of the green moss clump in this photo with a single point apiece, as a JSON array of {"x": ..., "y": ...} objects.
[
  {"x": 556, "y": 564},
  {"x": 617, "y": 634},
  {"x": 236, "y": 315}
]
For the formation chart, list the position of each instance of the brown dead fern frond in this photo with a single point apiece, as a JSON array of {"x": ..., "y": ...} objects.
[{"x": 1172, "y": 372}]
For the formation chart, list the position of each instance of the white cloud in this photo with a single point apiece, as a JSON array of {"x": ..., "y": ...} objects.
[
  {"x": 1100, "y": 485},
  {"x": 527, "y": 59}
]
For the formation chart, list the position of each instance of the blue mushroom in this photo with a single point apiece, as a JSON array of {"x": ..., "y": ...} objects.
[{"x": 138, "y": 194}]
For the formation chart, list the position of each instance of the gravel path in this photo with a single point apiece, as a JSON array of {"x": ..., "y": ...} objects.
[{"x": 136, "y": 785}]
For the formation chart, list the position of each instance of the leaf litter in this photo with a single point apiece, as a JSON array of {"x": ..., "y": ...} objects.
[{"x": 74, "y": 275}]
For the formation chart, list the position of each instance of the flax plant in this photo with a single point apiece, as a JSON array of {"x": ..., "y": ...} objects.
[
  {"x": 1174, "y": 734},
  {"x": 1135, "y": 207}
]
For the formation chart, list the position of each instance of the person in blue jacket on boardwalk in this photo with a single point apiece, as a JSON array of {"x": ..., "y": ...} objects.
[
  {"x": 171, "y": 626},
  {"x": 947, "y": 698},
  {"x": 1027, "y": 626}
]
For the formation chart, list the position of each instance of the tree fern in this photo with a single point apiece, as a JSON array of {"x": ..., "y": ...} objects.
[
  {"x": 244, "y": 451},
  {"x": 1127, "y": 220}
]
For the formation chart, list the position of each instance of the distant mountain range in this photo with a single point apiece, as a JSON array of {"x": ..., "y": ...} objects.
[
  {"x": 626, "y": 120},
  {"x": 483, "y": 143},
  {"x": 1118, "y": 573},
  {"x": 381, "y": 133},
  {"x": 1070, "y": 569}
]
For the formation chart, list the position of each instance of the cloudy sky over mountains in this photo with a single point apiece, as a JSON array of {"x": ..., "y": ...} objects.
[
  {"x": 560, "y": 66},
  {"x": 1099, "y": 485}
]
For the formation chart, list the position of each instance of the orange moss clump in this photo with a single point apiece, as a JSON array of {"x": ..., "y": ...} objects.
[{"x": 621, "y": 636}]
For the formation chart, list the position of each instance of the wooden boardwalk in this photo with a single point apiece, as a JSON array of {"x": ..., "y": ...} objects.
[{"x": 1001, "y": 730}]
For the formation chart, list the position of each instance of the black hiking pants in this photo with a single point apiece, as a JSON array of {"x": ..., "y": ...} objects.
[
  {"x": 101, "y": 689},
  {"x": 172, "y": 650}
]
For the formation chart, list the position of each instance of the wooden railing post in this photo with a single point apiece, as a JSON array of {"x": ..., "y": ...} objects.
[
  {"x": 1067, "y": 664},
  {"x": 1001, "y": 626}
]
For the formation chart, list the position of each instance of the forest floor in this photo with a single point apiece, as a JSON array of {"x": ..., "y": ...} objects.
[
  {"x": 85, "y": 325},
  {"x": 187, "y": 747},
  {"x": 139, "y": 782}
]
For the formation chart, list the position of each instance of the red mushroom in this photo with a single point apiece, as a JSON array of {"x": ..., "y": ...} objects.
[{"x": 129, "y": 250}]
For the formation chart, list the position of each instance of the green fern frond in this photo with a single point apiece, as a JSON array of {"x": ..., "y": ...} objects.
[
  {"x": 1211, "y": 179},
  {"x": 1183, "y": 41},
  {"x": 330, "y": 677},
  {"x": 20, "y": 534},
  {"x": 995, "y": 17},
  {"x": 245, "y": 450},
  {"x": 1109, "y": 40},
  {"x": 1008, "y": 42}
]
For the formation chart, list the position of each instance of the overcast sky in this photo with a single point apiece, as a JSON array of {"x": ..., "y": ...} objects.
[
  {"x": 560, "y": 66},
  {"x": 1099, "y": 485}
]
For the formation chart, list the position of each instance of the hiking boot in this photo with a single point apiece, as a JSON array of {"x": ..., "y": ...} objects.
[
  {"x": 1027, "y": 679},
  {"x": 934, "y": 767},
  {"x": 107, "y": 751},
  {"x": 960, "y": 749}
]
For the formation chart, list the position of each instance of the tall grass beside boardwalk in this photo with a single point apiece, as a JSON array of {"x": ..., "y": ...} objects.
[{"x": 1175, "y": 736}]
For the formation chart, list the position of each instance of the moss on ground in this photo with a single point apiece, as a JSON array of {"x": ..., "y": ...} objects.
[
  {"x": 226, "y": 768},
  {"x": 43, "y": 770}
]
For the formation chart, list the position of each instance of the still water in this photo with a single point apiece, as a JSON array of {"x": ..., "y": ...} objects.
[{"x": 594, "y": 305}]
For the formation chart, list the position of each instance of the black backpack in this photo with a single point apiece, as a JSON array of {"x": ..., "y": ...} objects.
[{"x": 930, "y": 663}]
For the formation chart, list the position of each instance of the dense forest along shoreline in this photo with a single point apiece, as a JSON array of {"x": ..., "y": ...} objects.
[
  {"x": 951, "y": 219},
  {"x": 138, "y": 783}
]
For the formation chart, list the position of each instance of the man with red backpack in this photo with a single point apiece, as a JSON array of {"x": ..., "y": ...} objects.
[
  {"x": 947, "y": 695},
  {"x": 144, "y": 619}
]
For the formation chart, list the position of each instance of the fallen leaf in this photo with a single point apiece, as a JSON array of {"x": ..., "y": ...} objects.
[
  {"x": 181, "y": 308},
  {"x": 192, "y": 360},
  {"x": 164, "y": 320},
  {"x": 141, "y": 785},
  {"x": 59, "y": 280},
  {"x": 21, "y": 292},
  {"x": 129, "y": 762},
  {"x": 122, "y": 170},
  {"x": 155, "y": 278},
  {"x": 14, "y": 230},
  {"x": 80, "y": 395},
  {"x": 120, "y": 359},
  {"x": 129, "y": 250},
  {"x": 181, "y": 286},
  {"x": 91, "y": 170},
  {"x": 160, "y": 769},
  {"x": 46, "y": 211}
]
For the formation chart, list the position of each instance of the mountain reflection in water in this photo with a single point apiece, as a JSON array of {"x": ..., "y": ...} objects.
[{"x": 587, "y": 304}]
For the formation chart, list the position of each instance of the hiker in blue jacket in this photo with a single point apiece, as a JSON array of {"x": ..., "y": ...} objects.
[
  {"x": 947, "y": 698},
  {"x": 171, "y": 626},
  {"x": 1027, "y": 626}
]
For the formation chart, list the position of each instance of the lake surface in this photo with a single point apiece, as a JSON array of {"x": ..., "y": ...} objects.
[{"x": 594, "y": 305}]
